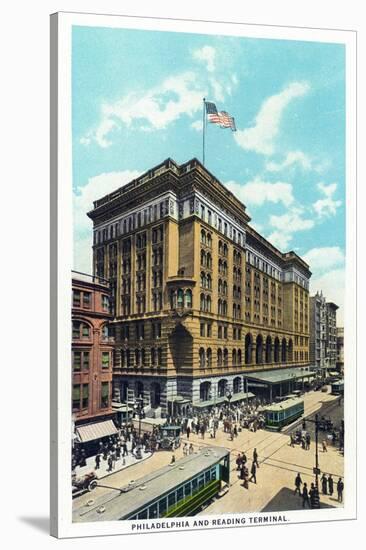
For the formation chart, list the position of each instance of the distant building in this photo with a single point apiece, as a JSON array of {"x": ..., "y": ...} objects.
[
  {"x": 92, "y": 359},
  {"x": 323, "y": 335},
  {"x": 340, "y": 349}
]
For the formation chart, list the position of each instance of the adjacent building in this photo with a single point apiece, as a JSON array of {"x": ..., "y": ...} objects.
[
  {"x": 323, "y": 334},
  {"x": 340, "y": 349},
  {"x": 92, "y": 359},
  {"x": 203, "y": 305}
]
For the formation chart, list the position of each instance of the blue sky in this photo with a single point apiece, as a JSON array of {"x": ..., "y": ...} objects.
[{"x": 137, "y": 99}]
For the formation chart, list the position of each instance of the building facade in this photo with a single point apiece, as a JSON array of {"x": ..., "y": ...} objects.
[
  {"x": 340, "y": 349},
  {"x": 200, "y": 298},
  {"x": 92, "y": 356},
  {"x": 323, "y": 333}
]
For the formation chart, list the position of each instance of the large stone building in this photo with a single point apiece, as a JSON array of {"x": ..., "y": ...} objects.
[
  {"x": 92, "y": 359},
  {"x": 202, "y": 302},
  {"x": 340, "y": 349},
  {"x": 323, "y": 334}
]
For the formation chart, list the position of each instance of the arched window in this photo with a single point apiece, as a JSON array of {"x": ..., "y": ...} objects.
[
  {"x": 234, "y": 311},
  {"x": 188, "y": 298},
  {"x": 224, "y": 307},
  {"x": 234, "y": 357},
  {"x": 202, "y": 358},
  {"x": 226, "y": 358},
  {"x": 180, "y": 297},
  {"x": 221, "y": 388},
  {"x": 220, "y": 286},
  {"x": 259, "y": 350},
  {"x": 225, "y": 249},
  {"x": 209, "y": 240},
  {"x": 269, "y": 349},
  {"x": 220, "y": 247},
  {"x": 283, "y": 351},
  {"x": 219, "y": 307},
  {"x": 220, "y": 266},
  {"x": 208, "y": 304},
  {"x": 203, "y": 236},
  {"x": 209, "y": 281},
  {"x": 290, "y": 351},
  {"x": 276, "y": 350},
  {"x": 203, "y": 257},
  {"x": 219, "y": 357},
  {"x": 203, "y": 279},
  {"x": 236, "y": 385},
  {"x": 224, "y": 288},
  {"x": 209, "y": 260},
  {"x": 248, "y": 349},
  {"x": 202, "y": 302},
  {"x": 239, "y": 357},
  {"x": 209, "y": 357}
]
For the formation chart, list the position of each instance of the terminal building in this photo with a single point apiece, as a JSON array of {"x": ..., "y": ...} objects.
[{"x": 204, "y": 308}]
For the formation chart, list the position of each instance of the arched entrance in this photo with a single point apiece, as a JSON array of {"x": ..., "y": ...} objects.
[
  {"x": 205, "y": 391},
  {"x": 259, "y": 350},
  {"x": 155, "y": 392},
  {"x": 248, "y": 349},
  {"x": 221, "y": 388}
]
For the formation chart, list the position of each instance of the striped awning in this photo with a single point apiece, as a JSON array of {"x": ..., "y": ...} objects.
[{"x": 97, "y": 430}]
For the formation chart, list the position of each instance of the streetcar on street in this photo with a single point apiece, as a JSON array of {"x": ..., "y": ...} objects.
[
  {"x": 183, "y": 488},
  {"x": 337, "y": 387},
  {"x": 281, "y": 414}
]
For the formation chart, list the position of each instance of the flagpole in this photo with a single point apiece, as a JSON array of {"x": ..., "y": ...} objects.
[{"x": 203, "y": 130}]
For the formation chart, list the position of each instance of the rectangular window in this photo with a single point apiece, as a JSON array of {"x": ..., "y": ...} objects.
[
  {"x": 209, "y": 330},
  {"x": 85, "y": 402},
  {"x": 85, "y": 331},
  {"x": 105, "y": 360},
  {"x": 171, "y": 500},
  {"x": 76, "y": 330},
  {"x": 76, "y": 298},
  {"x": 104, "y": 395},
  {"x": 76, "y": 360},
  {"x": 187, "y": 490},
  {"x": 87, "y": 300},
  {"x": 105, "y": 303},
  {"x": 162, "y": 507},
  {"x": 202, "y": 329},
  {"x": 76, "y": 397},
  {"x": 86, "y": 359}
]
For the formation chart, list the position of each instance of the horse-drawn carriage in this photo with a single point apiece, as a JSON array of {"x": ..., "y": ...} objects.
[{"x": 169, "y": 437}]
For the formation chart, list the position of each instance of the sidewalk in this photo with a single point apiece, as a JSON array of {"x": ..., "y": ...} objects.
[{"x": 120, "y": 464}]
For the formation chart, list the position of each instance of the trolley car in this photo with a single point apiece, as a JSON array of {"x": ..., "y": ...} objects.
[
  {"x": 182, "y": 488},
  {"x": 279, "y": 415},
  {"x": 338, "y": 387}
]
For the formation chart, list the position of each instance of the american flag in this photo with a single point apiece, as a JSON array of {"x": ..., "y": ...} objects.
[{"x": 222, "y": 118}]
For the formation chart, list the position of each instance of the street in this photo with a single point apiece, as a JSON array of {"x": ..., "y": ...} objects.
[{"x": 279, "y": 463}]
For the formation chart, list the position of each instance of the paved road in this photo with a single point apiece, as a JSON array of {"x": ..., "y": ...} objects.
[{"x": 279, "y": 464}]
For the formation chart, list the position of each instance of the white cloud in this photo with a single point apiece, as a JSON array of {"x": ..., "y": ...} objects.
[
  {"x": 83, "y": 198},
  {"x": 260, "y": 138},
  {"x": 324, "y": 258},
  {"x": 286, "y": 224},
  {"x": 332, "y": 284},
  {"x": 206, "y": 54},
  {"x": 197, "y": 125},
  {"x": 257, "y": 192},
  {"x": 327, "y": 207},
  {"x": 280, "y": 240},
  {"x": 153, "y": 109},
  {"x": 292, "y": 158}
]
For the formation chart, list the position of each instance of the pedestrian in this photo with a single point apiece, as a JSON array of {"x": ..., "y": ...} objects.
[
  {"x": 191, "y": 449},
  {"x": 188, "y": 431},
  {"x": 255, "y": 458},
  {"x": 172, "y": 459},
  {"x": 340, "y": 487},
  {"x": 253, "y": 471},
  {"x": 324, "y": 481},
  {"x": 305, "y": 496},
  {"x": 244, "y": 458},
  {"x": 97, "y": 461},
  {"x": 298, "y": 483},
  {"x": 330, "y": 485},
  {"x": 110, "y": 463},
  {"x": 308, "y": 440},
  {"x": 313, "y": 493},
  {"x": 238, "y": 461},
  {"x": 125, "y": 450},
  {"x": 324, "y": 444},
  {"x": 292, "y": 440}
]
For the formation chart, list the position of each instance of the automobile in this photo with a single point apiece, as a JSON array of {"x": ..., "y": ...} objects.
[
  {"x": 84, "y": 483},
  {"x": 324, "y": 389}
]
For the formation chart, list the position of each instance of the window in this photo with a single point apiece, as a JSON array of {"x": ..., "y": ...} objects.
[
  {"x": 104, "y": 402},
  {"x": 87, "y": 300},
  {"x": 202, "y": 329},
  {"x": 76, "y": 298},
  {"x": 85, "y": 401},
  {"x": 76, "y": 397},
  {"x": 105, "y": 360},
  {"x": 105, "y": 303},
  {"x": 209, "y": 330}
]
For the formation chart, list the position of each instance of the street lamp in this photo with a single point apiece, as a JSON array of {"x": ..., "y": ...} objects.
[{"x": 139, "y": 411}]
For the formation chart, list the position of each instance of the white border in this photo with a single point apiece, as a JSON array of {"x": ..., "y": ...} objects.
[{"x": 61, "y": 259}]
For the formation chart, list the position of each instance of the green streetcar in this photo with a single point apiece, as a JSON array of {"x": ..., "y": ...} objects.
[
  {"x": 284, "y": 413},
  {"x": 181, "y": 489}
]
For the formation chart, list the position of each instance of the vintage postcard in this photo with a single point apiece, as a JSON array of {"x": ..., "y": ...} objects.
[{"x": 203, "y": 363}]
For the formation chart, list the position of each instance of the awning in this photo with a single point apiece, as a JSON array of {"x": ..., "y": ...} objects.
[
  {"x": 97, "y": 430},
  {"x": 178, "y": 399},
  {"x": 241, "y": 395},
  {"x": 276, "y": 376}
]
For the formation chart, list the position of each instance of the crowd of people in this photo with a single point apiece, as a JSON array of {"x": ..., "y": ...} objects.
[
  {"x": 310, "y": 497},
  {"x": 243, "y": 467}
]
